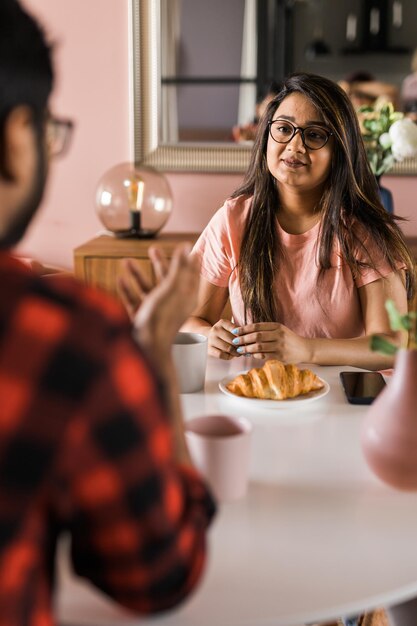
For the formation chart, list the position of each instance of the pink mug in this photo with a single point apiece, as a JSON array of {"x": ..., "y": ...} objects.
[{"x": 219, "y": 447}]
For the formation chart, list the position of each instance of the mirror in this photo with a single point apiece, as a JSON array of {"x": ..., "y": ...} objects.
[
  {"x": 146, "y": 102},
  {"x": 146, "y": 107}
]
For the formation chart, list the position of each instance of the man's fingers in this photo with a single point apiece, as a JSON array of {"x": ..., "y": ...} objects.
[
  {"x": 159, "y": 262},
  {"x": 130, "y": 302},
  {"x": 181, "y": 255},
  {"x": 165, "y": 307},
  {"x": 183, "y": 275},
  {"x": 132, "y": 269}
]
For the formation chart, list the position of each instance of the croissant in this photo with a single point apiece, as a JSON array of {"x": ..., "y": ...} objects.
[{"x": 275, "y": 381}]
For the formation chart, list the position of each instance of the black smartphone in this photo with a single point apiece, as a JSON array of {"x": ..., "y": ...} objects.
[{"x": 362, "y": 387}]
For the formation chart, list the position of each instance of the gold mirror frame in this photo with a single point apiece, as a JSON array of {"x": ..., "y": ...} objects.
[{"x": 145, "y": 112}]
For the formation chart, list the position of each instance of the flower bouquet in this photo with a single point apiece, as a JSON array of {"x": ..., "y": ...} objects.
[{"x": 388, "y": 136}]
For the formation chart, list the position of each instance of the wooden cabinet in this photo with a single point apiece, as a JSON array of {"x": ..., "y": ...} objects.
[
  {"x": 99, "y": 261},
  {"x": 412, "y": 244}
]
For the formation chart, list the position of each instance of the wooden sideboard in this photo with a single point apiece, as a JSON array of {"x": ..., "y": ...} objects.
[
  {"x": 98, "y": 262},
  {"x": 412, "y": 244}
]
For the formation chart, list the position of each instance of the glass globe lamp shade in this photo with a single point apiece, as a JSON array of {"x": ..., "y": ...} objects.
[{"x": 133, "y": 201}]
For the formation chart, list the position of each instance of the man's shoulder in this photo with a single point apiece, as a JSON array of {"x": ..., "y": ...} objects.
[
  {"x": 59, "y": 295},
  {"x": 80, "y": 298}
]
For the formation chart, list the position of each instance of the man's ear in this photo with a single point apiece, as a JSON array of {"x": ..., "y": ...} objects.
[{"x": 18, "y": 140}]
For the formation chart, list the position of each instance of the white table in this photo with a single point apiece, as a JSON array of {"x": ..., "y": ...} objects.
[{"x": 318, "y": 536}]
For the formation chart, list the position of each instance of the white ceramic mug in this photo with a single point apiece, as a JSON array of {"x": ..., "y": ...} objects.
[
  {"x": 219, "y": 447},
  {"x": 189, "y": 352}
]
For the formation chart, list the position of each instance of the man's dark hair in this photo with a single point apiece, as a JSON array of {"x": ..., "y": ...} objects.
[
  {"x": 26, "y": 73},
  {"x": 410, "y": 106},
  {"x": 360, "y": 76}
]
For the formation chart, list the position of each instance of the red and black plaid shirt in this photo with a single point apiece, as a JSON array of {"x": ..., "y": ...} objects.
[{"x": 85, "y": 448}]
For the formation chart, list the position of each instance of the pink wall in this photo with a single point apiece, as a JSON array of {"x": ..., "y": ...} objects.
[
  {"x": 197, "y": 197},
  {"x": 93, "y": 88},
  {"x": 91, "y": 59},
  {"x": 404, "y": 190}
]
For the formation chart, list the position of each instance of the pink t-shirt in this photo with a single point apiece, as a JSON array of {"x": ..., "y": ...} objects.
[{"x": 328, "y": 308}]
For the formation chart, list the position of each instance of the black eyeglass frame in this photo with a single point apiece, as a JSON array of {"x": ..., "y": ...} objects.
[
  {"x": 61, "y": 126},
  {"x": 302, "y": 130}
]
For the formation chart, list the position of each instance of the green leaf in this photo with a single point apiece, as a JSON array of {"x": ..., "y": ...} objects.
[
  {"x": 379, "y": 344},
  {"x": 407, "y": 321},
  {"x": 396, "y": 320},
  {"x": 397, "y": 115},
  {"x": 373, "y": 162},
  {"x": 385, "y": 165}
]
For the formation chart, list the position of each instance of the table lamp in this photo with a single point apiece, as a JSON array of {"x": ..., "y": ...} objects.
[{"x": 133, "y": 201}]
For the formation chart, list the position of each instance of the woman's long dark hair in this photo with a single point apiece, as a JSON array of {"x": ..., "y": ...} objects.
[{"x": 351, "y": 194}]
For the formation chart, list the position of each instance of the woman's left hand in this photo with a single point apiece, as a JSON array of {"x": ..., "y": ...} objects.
[{"x": 271, "y": 340}]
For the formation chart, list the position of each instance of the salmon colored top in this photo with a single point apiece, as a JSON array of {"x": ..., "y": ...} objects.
[{"x": 311, "y": 308}]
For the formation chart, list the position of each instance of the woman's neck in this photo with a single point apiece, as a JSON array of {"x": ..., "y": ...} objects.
[{"x": 298, "y": 213}]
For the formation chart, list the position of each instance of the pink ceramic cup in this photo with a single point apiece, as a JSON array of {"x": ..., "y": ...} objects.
[{"x": 219, "y": 446}]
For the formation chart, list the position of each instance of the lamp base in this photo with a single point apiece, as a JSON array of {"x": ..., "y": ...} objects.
[{"x": 136, "y": 231}]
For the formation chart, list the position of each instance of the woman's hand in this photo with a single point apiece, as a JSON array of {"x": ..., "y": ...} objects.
[
  {"x": 220, "y": 340},
  {"x": 271, "y": 340}
]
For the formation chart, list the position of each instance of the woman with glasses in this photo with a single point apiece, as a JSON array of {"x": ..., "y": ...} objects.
[{"x": 304, "y": 250}]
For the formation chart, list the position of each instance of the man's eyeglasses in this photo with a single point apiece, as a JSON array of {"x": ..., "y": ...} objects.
[
  {"x": 58, "y": 135},
  {"x": 313, "y": 137}
]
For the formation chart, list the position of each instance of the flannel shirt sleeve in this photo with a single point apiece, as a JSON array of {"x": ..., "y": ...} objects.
[{"x": 137, "y": 519}]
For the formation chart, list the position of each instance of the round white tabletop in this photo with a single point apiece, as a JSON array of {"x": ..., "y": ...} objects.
[{"x": 317, "y": 535}]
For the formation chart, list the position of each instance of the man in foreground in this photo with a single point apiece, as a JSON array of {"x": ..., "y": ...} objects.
[{"x": 91, "y": 435}]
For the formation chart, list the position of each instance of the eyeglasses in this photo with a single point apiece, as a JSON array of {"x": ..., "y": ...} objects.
[
  {"x": 58, "y": 135},
  {"x": 313, "y": 137}
]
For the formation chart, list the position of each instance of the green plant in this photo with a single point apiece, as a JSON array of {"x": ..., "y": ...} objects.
[{"x": 405, "y": 325}]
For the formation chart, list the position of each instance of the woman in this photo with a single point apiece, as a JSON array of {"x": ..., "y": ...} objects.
[{"x": 303, "y": 249}]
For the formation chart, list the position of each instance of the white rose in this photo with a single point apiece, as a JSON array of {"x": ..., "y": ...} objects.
[
  {"x": 385, "y": 140},
  {"x": 403, "y": 134}
]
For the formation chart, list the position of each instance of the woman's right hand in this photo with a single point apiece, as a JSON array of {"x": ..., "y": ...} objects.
[{"x": 220, "y": 340}]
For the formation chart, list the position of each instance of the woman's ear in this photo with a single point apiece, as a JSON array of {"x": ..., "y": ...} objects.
[{"x": 19, "y": 141}]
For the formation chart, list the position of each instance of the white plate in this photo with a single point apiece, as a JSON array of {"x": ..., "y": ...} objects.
[{"x": 274, "y": 404}]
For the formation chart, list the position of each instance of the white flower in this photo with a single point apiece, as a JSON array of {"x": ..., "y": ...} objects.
[
  {"x": 385, "y": 140},
  {"x": 403, "y": 134}
]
